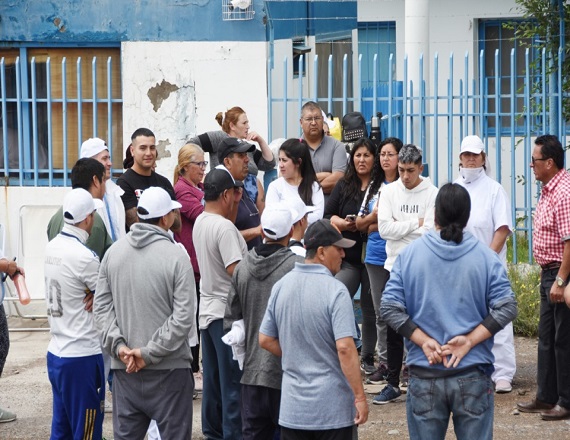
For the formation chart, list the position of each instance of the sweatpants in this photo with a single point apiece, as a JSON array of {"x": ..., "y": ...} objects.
[
  {"x": 162, "y": 395},
  {"x": 504, "y": 351},
  {"x": 78, "y": 387}
]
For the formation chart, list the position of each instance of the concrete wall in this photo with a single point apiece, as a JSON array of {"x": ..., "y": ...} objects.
[{"x": 176, "y": 89}]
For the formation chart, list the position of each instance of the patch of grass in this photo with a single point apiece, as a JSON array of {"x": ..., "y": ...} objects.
[
  {"x": 525, "y": 282},
  {"x": 522, "y": 248}
]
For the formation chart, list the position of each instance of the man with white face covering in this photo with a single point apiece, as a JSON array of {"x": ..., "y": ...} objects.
[{"x": 490, "y": 222}]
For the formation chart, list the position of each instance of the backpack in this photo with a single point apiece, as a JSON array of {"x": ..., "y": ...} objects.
[{"x": 353, "y": 127}]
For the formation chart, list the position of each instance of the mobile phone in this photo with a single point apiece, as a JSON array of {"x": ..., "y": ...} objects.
[{"x": 350, "y": 218}]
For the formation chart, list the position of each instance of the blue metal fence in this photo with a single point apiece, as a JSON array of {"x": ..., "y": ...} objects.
[
  {"x": 435, "y": 109},
  {"x": 30, "y": 147}
]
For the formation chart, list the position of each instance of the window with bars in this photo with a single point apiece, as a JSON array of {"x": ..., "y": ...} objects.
[
  {"x": 495, "y": 36},
  {"x": 51, "y": 99}
]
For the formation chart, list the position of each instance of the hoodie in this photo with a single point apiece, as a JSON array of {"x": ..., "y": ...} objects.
[
  {"x": 145, "y": 298},
  {"x": 399, "y": 211},
  {"x": 448, "y": 289},
  {"x": 250, "y": 290}
]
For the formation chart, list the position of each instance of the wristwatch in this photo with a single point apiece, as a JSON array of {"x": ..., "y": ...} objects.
[{"x": 560, "y": 282}]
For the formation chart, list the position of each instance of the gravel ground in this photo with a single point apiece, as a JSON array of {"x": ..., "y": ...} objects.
[{"x": 25, "y": 390}]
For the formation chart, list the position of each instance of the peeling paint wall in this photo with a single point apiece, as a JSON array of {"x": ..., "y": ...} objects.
[
  {"x": 176, "y": 89},
  {"x": 112, "y": 21}
]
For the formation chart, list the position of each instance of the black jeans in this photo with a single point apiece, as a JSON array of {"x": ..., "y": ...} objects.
[
  {"x": 395, "y": 355},
  {"x": 553, "y": 376}
]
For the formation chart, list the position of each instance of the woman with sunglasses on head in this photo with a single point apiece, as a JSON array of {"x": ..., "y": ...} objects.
[
  {"x": 385, "y": 172},
  {"x": 189, "y": 190}
]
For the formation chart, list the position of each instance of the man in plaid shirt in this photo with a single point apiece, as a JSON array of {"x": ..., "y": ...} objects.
[{"x": 551, "y": 248}]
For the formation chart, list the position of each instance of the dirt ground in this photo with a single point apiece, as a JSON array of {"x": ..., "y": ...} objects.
[{"x": 25, "y": 390}]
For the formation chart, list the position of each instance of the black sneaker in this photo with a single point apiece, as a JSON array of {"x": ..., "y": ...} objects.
[
  {"x": 367, "y": 365},
  {"x": 379, "y": 376}
]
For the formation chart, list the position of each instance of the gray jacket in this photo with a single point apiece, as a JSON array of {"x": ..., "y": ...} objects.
[
  {"x": 252, "y": 282},
  {"x": 145, "y": 298}
]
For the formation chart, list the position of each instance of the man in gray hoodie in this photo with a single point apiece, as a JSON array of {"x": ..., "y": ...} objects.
[
  {"x": 145, "y": 295},
  {"x": 251, "y": 286}
]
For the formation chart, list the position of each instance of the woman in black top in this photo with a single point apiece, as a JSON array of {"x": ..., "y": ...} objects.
[{"x": 342, "y": 208}]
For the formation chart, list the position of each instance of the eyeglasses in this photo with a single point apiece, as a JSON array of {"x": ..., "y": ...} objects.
[
  {"x": 388, "y": 155},
  {"x": 202, "y": 164},
  {"x": 534, "y": 159},
  {"x": 314, "y": 119}
]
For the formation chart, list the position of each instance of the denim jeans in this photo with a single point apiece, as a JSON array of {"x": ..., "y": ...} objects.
[
  {"x": 353, "y": 276},
  {"x": 468, "y": 395},
  {"x": 221, "y": 415}
]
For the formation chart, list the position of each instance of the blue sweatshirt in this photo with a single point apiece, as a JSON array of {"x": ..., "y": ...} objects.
[{"x": 448, "y": 289}]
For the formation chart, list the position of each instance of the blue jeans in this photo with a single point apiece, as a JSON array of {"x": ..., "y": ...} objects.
[
  {"x": 221, "y": 415},
  {"x": 469, "y": 396}
]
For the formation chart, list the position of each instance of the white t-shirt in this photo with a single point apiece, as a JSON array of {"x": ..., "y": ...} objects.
[
  {"x": 218, "y": 245},
  {"x": 71, "y": 271},
  {"x": 490, "y": 209},
  {"x": 280, "y": 190}
]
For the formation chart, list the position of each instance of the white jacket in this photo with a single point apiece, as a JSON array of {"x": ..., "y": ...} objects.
[
  {"x": 399, "y": 211},
  {"x": 113, "y": 200}
]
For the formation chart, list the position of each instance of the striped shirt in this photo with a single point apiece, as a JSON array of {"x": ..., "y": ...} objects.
[{"x": 552, "y": 220}]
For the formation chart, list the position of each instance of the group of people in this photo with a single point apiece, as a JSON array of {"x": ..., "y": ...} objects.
[{"x": 144, "y": 279}]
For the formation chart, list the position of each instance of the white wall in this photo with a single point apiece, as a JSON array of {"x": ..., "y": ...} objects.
[
  {"x": 452, "y": 23},
  {"x": 210, "y": 77}
]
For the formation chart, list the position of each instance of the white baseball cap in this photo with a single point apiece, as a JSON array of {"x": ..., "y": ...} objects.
[
  {"x": 472, "y": 144},
  {"x": 155, "y": 202},
  {"x": 276, "y": 221},
  {"x": 298, "y": 208},
  {"x": 78, "y": 204},
  {"x": 91, "y": 147}
]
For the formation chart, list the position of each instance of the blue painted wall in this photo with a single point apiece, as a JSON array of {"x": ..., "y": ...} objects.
[
  {"x": 112, "y": 21},
  {"x": 312, "y": 18}
]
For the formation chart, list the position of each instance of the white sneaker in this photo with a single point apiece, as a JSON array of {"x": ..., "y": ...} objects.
[
  {"x": 198, "y": 383},
  {"x": 503, "y": 386}
]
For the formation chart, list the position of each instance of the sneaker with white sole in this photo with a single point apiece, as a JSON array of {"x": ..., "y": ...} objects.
[
  {"x": 367, "y": 365},
  {"x": 6, "y": 416},
  {"x": 503, "y": 386},
  {"x": 198, "y": 381},
  {"x": 379, "y": 376},
  {"x": 388, "y": 394}
]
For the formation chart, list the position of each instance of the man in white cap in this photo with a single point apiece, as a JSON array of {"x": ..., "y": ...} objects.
[
  {"x": 113, "y": 211},
  {"x": 299, "y": 212},
  {"x": 251, "y": 286},
  {"x": 74, "y": 360},
  {"x": 145, "y": 293},
  {"x": 307, "y": 305}
]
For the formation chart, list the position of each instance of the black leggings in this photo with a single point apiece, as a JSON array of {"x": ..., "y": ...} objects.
[{"x": 4, "y": 338}]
